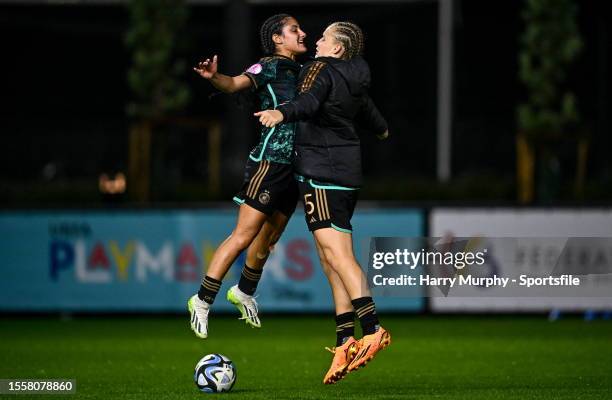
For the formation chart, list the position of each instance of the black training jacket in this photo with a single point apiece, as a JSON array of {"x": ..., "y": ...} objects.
[{"x": 332, "y": 99}]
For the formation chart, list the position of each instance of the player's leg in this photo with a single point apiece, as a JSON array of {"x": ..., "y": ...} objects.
[
  {"x": 259, "y": 251},
  {"x": 328, "y": 210},
  {"x": 248, "y": 225},
  {"x": 337, "y": 247},
  {"x": 276, "y": 194},
  {"x": 242, "y": 294},
  {"x": 346, "y": 345}
]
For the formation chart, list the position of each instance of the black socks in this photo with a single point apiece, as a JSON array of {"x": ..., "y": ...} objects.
[
  {"x": 249, "y": 278},
  {"x": 366, "y": 312},
  {"x": 345, "y": 327},
  {"x": 209, "y": 289}
]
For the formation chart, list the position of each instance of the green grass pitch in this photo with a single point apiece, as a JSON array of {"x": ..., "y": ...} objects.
[{"x": 430, "y": 358}]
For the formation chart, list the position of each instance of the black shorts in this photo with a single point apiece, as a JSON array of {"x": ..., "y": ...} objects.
[
  {"x": 327, "y": 206},
  {"x": 269, "y": 187}
]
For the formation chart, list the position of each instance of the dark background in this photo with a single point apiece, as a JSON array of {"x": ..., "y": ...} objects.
[{"x": 64, "y": 96}]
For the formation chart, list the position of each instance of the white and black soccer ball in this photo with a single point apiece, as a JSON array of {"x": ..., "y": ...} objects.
[{"x": 215, "y": 373}]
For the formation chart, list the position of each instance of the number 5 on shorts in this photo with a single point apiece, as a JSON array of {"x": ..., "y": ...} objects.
[{"x": 309, "y": 204}]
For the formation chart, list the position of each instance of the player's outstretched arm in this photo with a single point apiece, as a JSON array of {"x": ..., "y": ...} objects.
[
  {"x": 207, "y": 69},
  {"x": 314, "y": 85}
]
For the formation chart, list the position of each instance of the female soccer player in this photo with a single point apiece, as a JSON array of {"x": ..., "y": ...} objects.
[
  {"x": 269, "y": 192},
  {"x": 333, "y": 94}
]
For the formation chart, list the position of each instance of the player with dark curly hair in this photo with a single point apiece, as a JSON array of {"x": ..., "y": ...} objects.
[
  {"x": 332, "y": 99},
  {"x": 269, "y": 193}
]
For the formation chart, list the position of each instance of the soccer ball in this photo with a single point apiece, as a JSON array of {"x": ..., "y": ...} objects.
[{"x": 215, "y": 373}]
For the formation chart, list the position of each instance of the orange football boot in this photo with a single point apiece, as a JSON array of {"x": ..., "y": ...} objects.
[
  {"x": 369, "y": 345},
  {"x": 343, "y": 355}
]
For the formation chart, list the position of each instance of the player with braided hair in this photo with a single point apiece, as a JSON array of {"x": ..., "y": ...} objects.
[
  {"x": 269, "y": 193},
  {"x": 333, "y": 98},
  {"x": 272, "y": 26},
  {"x": 350, "y": 36}
]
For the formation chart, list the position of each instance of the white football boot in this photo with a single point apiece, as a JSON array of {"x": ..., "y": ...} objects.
[
  {"x": 247, "y": 305},
  {"x": 199, "y": 310}
]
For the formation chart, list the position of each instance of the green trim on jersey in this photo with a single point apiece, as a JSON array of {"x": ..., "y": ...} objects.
[
  {"x": 265, "y": 142},
  {"x": 331, "y": 187},
  {"x": 341, "y": 229},
  {"x": 300, "y": 178},
  {"x": 274, "y": 84}
]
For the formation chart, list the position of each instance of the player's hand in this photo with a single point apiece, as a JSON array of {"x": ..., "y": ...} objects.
[
  {"x": 383, "y": 135},
  {"x": 207, "y": 68},
  {"x": 269, "y": 118}
]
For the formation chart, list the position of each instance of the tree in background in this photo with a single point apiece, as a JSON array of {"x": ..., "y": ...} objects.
[
  {"x": 548, "y": 46},
  {"x": 153, "y": 78}
]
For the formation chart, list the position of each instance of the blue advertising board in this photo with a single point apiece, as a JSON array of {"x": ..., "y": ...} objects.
[{"x": 133, "y": 261}]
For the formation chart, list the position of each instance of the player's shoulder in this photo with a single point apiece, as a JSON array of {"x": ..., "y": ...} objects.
[
  {"x": 264, "y": 63},
  {"x": 281, "y": 62},
  {"x": 316, "y": 63},
  {"x": 264, "y": 68},
  {"x": 276, "y": 61},
  {"x": 313, "y": 69},
  {"x": 267, "y": 59}
]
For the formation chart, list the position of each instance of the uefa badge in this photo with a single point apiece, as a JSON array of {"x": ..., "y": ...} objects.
[{"x": 254, "y": 69}]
